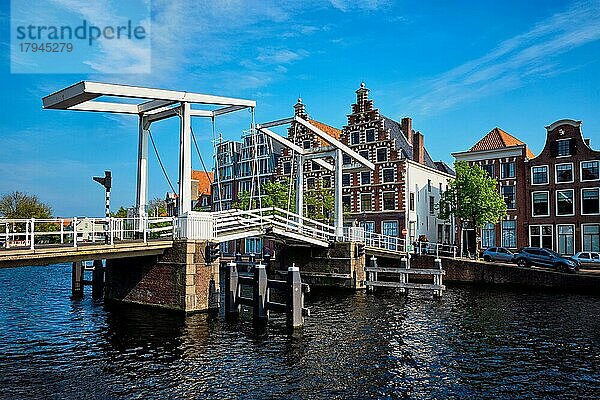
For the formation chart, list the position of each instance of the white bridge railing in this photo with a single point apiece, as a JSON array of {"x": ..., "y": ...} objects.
[
  {"x": 393, "y": 243},
  {"x": 76, "y": 231},
  {"x": 217, "y": 226}
]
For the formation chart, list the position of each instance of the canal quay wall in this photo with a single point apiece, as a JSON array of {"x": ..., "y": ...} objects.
[
  {"x": 341, "y": 265},
  {"x": 178, "y": 280},
  {"x": 472, "y": 271}
]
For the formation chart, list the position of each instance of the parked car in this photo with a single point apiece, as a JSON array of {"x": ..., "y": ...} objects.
[
  {"x": 588, "y": 258},
  {"x": 528, "y": 256},
  {"x": 498, "y": 254}
]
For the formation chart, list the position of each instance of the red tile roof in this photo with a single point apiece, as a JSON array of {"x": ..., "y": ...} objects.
[
  {"x": 330, "y": 130},
  {"x": 498, "y": 139},
  {"x": 204, "y": 181}
]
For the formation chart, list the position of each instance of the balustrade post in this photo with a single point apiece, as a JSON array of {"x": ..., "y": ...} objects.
[
  {"x": 111, "y": 227},
  {"x": 32, "y": 244},
  {"x": 145, "y": 222},
  {"x": 74, "y": 222}
]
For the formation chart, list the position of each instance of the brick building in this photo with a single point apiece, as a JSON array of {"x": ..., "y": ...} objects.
[
  {"x": 405, "y": 176},
  {"x": 405, "y": 187},
  {"x": 314, "y": 175},
  {"x": 504, "y": 157},
  {"x": 563, "y": 192}
]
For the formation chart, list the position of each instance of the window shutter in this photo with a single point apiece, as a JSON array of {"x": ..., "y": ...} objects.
[
  {"x": 553, "y": 149},
  {"x": 573, "y": 146}
]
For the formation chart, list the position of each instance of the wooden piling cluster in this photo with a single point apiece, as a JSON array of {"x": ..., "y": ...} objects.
[
  {"x": 403, "y": 273},
  {"x": 78, "y": 280},
  {"x": 260, "y": 302}
]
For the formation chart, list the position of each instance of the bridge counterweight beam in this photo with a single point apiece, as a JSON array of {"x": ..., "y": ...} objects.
[
  {"x": 338, "y": 207},
  {"x": 142, "y": 167},
  {"x": 300, "y": 189},
  {"x": 185, "y": 161}
]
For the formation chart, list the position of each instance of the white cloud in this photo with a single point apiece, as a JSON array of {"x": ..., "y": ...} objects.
[
  {"x": 280, "y": 56},
  {"x": 352, "y": 5},
  {"x": 514, "y": 62}
]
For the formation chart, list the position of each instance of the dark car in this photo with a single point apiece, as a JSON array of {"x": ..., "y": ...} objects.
[{"x": 529, "y": 256}]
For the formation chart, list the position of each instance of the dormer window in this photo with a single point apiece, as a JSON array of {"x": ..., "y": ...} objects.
[{"x": 565, "y": 147}]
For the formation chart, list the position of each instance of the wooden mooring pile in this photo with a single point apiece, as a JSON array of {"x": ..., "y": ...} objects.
[
  {"x": 292, "y": 289},
  {"x": 403, "y": 274}
]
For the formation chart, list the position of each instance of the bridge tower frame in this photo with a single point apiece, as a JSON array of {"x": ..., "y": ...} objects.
[{"x": 155, "y": 105}]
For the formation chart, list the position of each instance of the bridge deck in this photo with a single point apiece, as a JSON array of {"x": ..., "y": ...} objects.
[{"x": 60, "y": 254}]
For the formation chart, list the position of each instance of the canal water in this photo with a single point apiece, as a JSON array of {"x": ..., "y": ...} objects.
[{"x": 473, "y": 343}]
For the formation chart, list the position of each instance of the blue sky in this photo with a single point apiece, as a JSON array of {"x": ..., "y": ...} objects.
[{"x": 457, "y": 69}]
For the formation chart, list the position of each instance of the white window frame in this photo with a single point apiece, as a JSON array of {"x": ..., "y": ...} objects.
[
  {"x": 548, "y": 196},
  {"x": 547, "y": 175},
  {"x": 541, "y": 241},
  {"x": 502, "y": 233},
  {"x": 556, "y": 173},
  {"x": 583, "y": 236},
  {"x": 581, "y": 171},
  {"x": 581, "y": 201},
  {"x": 558, "y": 243},
  {"x": 352, "y": 135},
  {"x": 361, "y": 151},
  {"x": 392, "y": 221},
  {"x": 562, "y": 140},
  {"x": 556, "y": 202}
]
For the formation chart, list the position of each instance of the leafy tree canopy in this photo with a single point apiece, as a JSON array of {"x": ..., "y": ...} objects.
[
  {"x": 157, "y": 207},
  {"x": 21, "y": 205},
  {"x": 473, "y": 196},
  {"x": 276, "y": 194}
]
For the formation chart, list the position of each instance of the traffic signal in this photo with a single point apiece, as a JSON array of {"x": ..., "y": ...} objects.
[
  {"x": 106, "y": 181},
  {"x": 212, "y": 252}
]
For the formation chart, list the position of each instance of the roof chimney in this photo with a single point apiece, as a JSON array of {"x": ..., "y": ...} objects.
[
  {"x": 406, "y": 125},
  {"x": 418, "y": 148}
]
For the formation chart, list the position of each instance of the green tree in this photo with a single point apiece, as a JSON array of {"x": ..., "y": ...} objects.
[
  {"x": 121, "y": 213},
  {"x": 276, "y": 194},
  {"x": 473, "y": 196},
  {"x": 320, "y": 203},
  {"x": 157, "y": 207},
  {"x": 21, "y": 205}
]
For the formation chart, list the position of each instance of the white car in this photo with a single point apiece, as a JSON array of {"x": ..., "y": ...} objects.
[{"x": 588, "y": 258}]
